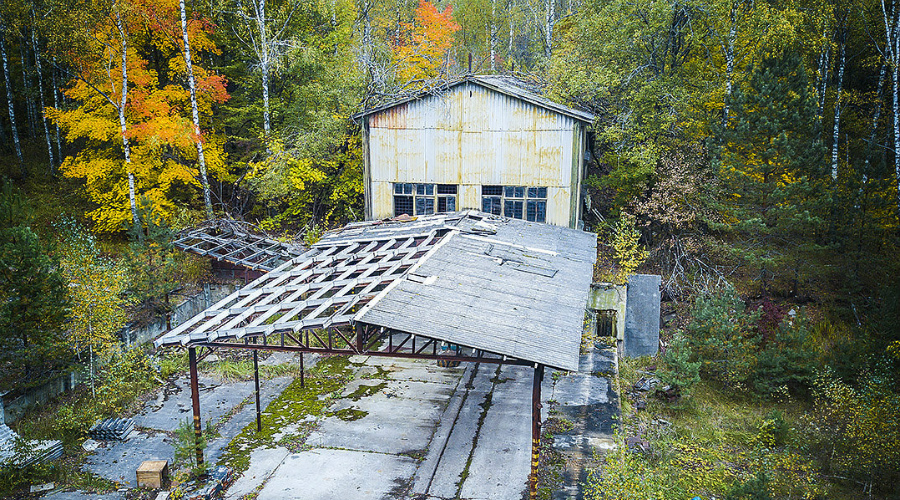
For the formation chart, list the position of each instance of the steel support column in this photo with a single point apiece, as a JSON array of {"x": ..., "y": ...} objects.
[
  {"x": 302, "y": 381},
  {"x": 195, "y": 403},
  {"x": 535, "y": 428},
  {"x": 256, "y": 381}
]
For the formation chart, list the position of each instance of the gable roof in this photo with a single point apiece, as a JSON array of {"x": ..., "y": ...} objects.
[{"x": 503, "y": 84}]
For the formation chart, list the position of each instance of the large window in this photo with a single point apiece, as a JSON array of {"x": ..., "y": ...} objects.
[
  {"x": 423, "y": 199},
  {"x": 515, "y": 202}
]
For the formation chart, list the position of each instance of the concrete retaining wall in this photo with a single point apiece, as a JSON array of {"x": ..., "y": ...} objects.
[{"x": 16, "y": 403}]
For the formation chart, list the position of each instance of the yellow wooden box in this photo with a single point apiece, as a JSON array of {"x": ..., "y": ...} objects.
[{"x": 153, "y": 473}]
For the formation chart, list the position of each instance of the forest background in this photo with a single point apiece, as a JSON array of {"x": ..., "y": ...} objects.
[{"x": 746, "y": 150}]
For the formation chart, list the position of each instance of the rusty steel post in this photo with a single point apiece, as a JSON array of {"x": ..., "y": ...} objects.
[
  {"x": 256, "y": 380},
  {"x": 302, "y": 381},
  {"x": 195, "y": 402},
  {"x": 535, "y": 428}
]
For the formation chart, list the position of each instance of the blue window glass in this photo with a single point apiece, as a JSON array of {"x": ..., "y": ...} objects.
[
  {"x": 491, "y": 205},
  {"x": 403, "y": 205},
  {"x": 513, "y": 209},
  {"x": 536, "y": 211}
]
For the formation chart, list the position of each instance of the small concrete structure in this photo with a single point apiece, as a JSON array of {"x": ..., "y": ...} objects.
[
  {"x": 610, "y": 297},
  {"x": 642, "y": 315}
]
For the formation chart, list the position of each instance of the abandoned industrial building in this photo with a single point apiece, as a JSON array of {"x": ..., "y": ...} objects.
[{"x": 480, "y": 142}]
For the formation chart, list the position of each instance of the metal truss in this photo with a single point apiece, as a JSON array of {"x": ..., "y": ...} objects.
[
  {"x": 238, "y": 243},
  {"x": 321, "y": 290}
]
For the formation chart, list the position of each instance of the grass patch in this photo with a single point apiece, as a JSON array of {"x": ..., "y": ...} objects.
[
  {"x": 228, "y": 370},
  {"x": 348, "y": 414},
  {"x": 365, "y": 391},
  {"x": 704, "y": 445},
  {"x": 294, "y": 406}
]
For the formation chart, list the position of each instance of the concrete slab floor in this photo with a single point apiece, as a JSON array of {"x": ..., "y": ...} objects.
[{"x": 118, "y": 460}]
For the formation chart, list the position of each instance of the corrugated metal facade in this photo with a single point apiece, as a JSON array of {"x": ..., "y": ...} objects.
[{"x": 472, "y": 136}]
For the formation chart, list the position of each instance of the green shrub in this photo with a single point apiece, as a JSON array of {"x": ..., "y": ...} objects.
[
  {"x": 723, "y": 336},
  {"x": 679, "y": 370}
]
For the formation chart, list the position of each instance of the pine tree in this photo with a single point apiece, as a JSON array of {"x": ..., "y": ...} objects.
[{"x": 772, "y": 168}]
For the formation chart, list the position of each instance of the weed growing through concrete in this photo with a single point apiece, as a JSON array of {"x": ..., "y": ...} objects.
[{"x": 295, "y": 405}]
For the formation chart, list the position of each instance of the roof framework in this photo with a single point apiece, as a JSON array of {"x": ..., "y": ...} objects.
[
  {"x": 358, "y": 291},
  {"x": 238, "y": 243}
]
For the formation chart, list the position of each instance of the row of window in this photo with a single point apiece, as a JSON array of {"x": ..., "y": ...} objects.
[{"x": 515, "y": 202}]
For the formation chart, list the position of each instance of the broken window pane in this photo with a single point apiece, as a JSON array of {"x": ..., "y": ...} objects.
[{"x": 403, "y": 205}]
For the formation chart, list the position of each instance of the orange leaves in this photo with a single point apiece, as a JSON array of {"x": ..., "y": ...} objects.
[
  {"x": 157, "y": 112},
  {"x": 427, "y": 47}
]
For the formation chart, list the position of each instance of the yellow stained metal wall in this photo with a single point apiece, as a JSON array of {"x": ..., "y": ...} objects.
[{"x": 473, "y": 136}]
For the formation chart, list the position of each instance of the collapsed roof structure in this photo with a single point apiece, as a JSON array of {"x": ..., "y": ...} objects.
[{"x": 497, "y": 290}]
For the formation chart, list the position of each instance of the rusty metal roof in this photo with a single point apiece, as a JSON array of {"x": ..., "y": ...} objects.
[
  {"x": 503, "y": 286},
  {"x": 504, "y": 84}
]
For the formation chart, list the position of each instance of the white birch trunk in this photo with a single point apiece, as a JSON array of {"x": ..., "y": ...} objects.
[
  {"x": 892, "y": 54},
  {"x": 132, "y": 196},
  {"x": 37, "y": 65},
  {"x": 837, "y": 108},
  {"x": 195, "y": 114},
  {"x": 26, "y": 90},
  {"x": 729, "y": 63},
  {"x": 512, "y": 30},
  {"x": 56, "y": 105},
  {"x": 9, "y": 99},
  {"x": 493, "y": 35},
  {"x": 822, "y": 79},
  {"x": 264, "y": 62},
  {"x": 548, "y": 29}
]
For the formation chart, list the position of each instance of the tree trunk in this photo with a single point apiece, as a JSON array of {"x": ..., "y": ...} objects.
[
  {"x": 126, "y": 147},
  {"x": 198, "y": 140},
  {"x": 493, "y": 35},
  {"x": 9, "y": 100},
  {"x": 729, "y": 62},
  {"x": 56, "y": 105},
  {"x": 892, "y": 52},
  {"x": 822, "y": 81},
  {"x": 837, "y": 104},
  {"x": 260, "y": 7},
  {"x": 37, "y": 65},
  {"x": 876, "y": 116},
  {"x": 26, "y": 90},
  {"x": 548, "y": 29}
]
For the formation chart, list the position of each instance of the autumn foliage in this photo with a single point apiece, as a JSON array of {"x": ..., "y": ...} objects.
[
  {"x": 424, "y": 52},
  {"x": 157, "y": 110}
]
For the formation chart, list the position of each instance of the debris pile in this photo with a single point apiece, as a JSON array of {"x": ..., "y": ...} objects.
[
  {"x": 15, "y": 452},
  {"x": 112, "y": 429}
]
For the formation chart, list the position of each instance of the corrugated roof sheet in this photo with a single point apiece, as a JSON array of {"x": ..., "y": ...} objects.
[
  {"x": 505, "y": 84},
  {"x": 520, "y": 292}
]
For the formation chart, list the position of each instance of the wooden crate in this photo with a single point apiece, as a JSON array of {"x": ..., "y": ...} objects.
[{"x": 153, "y": 473}]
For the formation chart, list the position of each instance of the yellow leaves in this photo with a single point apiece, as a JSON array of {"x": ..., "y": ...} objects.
[{"x": 303, "y": 171}]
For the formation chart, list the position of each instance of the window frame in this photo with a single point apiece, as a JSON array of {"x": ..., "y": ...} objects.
[
  {"x": 515, "y": 202},
  {"x": 424, "y": 198}
]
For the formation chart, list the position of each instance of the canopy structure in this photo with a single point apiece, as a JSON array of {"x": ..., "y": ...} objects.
[
  {"x": 494, "y": 287},
  {"x": 463, "y": 286}
]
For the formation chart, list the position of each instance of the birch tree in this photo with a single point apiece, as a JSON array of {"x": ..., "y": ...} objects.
[
  {"x": 842, "y": 34},
  {"x": 9, "y": 98},
  {"x": 265, "y": 36},
  {"x": 37, "y": 65},
  {"x": 192, "y": 87},
  {"x": 891, "y": 17}
]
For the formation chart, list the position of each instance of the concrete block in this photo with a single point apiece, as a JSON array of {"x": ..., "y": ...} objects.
[{"x": 642, "y": 315}]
